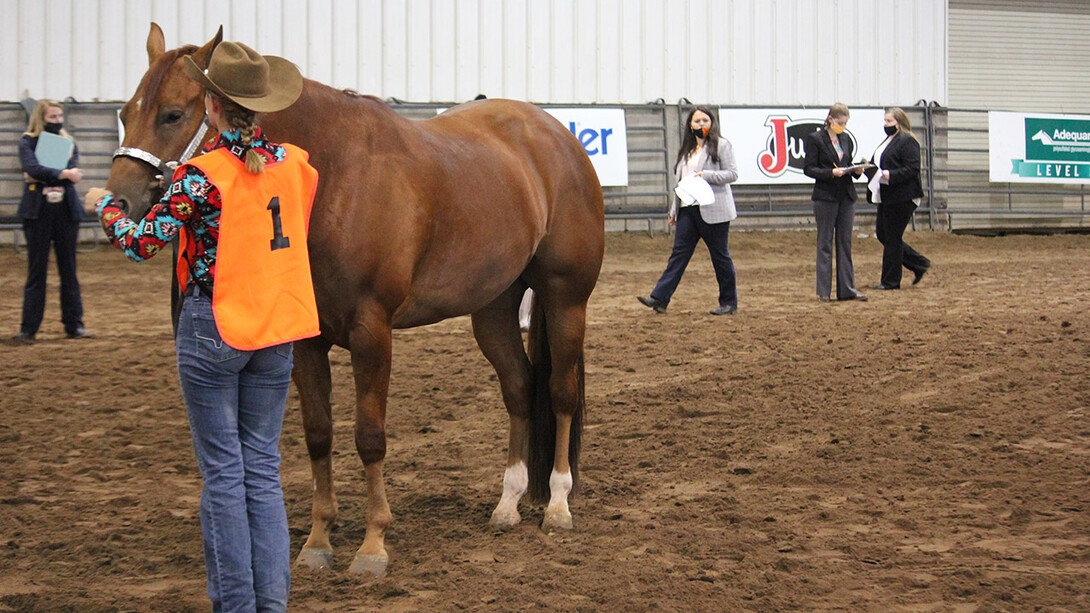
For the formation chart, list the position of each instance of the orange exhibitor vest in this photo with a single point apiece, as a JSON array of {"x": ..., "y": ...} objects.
[{"x": 263, "y": 294}]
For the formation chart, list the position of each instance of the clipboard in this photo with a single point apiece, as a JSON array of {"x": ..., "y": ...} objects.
[
  {"x": 54, "y": 151},
  {"x": 857, "y": 166}
]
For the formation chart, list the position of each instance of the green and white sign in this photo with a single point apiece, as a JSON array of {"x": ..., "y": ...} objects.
[{"x": 1038, "y": 148}]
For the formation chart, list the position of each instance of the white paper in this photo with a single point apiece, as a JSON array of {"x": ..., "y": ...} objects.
[
  {"x": 685, "y": 197},
  {"x": 693, "y": 189},
  {"x": 875, "y": 187}
]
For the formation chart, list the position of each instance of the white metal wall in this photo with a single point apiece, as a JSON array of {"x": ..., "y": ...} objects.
[{"x": 762, "y": 52}]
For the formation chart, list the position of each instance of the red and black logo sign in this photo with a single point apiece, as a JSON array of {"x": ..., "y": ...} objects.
[{"x": 785, "y": 149}]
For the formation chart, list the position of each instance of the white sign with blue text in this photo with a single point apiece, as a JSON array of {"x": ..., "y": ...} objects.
[{"x": 602, "y": 134}]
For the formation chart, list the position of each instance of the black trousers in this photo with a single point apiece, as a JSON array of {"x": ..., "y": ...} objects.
[
  {"x": 893, "y": 218},
  {"x": 55, "y": 226},
  {"x": 691, "y": 228}
]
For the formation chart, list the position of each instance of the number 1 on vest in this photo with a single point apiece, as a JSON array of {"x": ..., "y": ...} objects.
[{"x": 279, "y": 241}]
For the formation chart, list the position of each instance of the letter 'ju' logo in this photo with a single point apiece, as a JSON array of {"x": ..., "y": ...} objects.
[{"x": 785, "y": 149}]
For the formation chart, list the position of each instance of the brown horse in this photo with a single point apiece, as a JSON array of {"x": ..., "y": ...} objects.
[{"x": 415, "y": 222}]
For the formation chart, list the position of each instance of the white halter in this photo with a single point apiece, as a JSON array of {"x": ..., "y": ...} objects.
[{"x": 166, "y": 168}]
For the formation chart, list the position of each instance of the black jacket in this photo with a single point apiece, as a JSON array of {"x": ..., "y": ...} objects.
[
  {"x": 820, "y": 159},
  {"x": 902, "y": 159},
  {"x": 31, "y": 201}
]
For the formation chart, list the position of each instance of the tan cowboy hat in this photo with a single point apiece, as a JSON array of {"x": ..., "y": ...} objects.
[{"x": 260, "y": 83}]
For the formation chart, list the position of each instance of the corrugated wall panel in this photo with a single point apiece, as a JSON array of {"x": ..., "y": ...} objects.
[
  {"x": 1011, "y": 55},
  {"x": 369, "y": 64},
  {"x": 761, "y": 52},
  {"x": 562, "y": 53}
]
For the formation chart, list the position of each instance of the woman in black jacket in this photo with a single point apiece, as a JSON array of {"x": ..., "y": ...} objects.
[
  {"x": 898, "y": 193},
  {"x": 828, "y": 154},
  {"x": 51, "y": 212}
]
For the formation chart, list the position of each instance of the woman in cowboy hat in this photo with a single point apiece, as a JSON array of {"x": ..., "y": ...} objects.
[{"x": 241, "y": 211}]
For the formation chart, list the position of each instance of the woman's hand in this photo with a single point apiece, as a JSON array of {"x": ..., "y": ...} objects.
[
  {"x": 93, "y": 196},
  {"x": 885, "y": 175},
  {"x": 838, "y": 172},
  {"x": 671, "y": 219},
  {"x": 72, "y": 174}
]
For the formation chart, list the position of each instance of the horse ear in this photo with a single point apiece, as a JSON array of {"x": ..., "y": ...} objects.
[
  {"x": 156, "y": 43},
  {"x": 202, "y": 56}
]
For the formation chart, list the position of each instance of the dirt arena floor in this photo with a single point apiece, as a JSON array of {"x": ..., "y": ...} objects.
[{"x": 928, "y": 450}]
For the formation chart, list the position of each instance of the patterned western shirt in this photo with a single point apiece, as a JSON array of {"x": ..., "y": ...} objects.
[{"x": 191, "y": 201}]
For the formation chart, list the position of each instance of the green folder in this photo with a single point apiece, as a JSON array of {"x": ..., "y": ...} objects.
[{"x": 53, "y": 151}]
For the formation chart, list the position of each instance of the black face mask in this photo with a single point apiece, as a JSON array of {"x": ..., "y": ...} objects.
[
  {"x": 891, "y": 130},
  {"x": 699, "y": 132},
  {"x": 55, "y": 128}
]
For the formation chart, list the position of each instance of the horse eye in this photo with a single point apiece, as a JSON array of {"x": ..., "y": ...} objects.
[{"x": 172, "y": 117}]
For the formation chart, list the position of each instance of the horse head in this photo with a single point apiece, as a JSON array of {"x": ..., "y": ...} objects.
[{"x": 163, "y": 120}]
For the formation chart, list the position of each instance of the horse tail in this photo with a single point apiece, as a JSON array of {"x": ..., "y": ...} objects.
[{"x": 542, "y": 426}]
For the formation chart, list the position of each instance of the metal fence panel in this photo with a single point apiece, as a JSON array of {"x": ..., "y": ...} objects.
[
  {"x": 954, "y": 145},
  {"x": 968, "y": 200}
]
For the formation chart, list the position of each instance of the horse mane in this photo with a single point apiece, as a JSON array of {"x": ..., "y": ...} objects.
[
  {"x": 355, "y": 95},
  {"x": 153, "y": 79}
]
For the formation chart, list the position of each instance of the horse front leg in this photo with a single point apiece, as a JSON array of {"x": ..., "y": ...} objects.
[
  {"x": 515, "y": 478},
  {"x": 312, "y": 379},
  {"x": 496, "y": 329},
  {"x": 370, "y": 345}
]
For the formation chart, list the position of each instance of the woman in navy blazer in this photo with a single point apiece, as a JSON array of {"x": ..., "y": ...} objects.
[
  {"x": 900, "y": 189},
  {"x": 704, "y": 153},
  {"x": 51, "y": 211},
  {"x": 828, "y": 153}
]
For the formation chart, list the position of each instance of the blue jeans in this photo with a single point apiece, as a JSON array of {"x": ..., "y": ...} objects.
[{"x": 235, "y": 400}]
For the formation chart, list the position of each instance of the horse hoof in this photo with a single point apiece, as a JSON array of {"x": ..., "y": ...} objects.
[
  {"x": 553, "y": 523},
  {"x": 315, "y": 558},
  {"x": 371, "y": 565},
  {"x": 504, "y": 521}
]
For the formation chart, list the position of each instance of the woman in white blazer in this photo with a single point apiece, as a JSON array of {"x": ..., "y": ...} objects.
[{"x": 703, "y": 153}]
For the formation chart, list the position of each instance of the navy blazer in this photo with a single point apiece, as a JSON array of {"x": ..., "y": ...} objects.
[
  {"x": 820, "y": 160},
  {"x": 31, "y": 203},
  {"x": 902, "y": 159}
]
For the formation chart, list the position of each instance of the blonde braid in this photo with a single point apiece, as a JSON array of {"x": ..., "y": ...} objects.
[
  {"x": 254, "y": 162},
  {"x": 245, "y": 121}
]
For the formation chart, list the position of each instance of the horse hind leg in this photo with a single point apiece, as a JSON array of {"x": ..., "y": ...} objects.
[
  {"x": 556, "y": 346},
  {"x": 496, "y": 328},
  {"x": 312, "y": 378}
]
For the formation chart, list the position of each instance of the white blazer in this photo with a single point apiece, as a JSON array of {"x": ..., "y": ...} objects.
[{"x": 719, "y": 176}]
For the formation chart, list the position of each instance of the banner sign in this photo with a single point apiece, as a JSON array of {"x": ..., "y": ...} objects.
[
  {"x": 602, "y": 134},
  {"x": 770, "y": 143},
  {"x": 1025, "y": 148}
]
